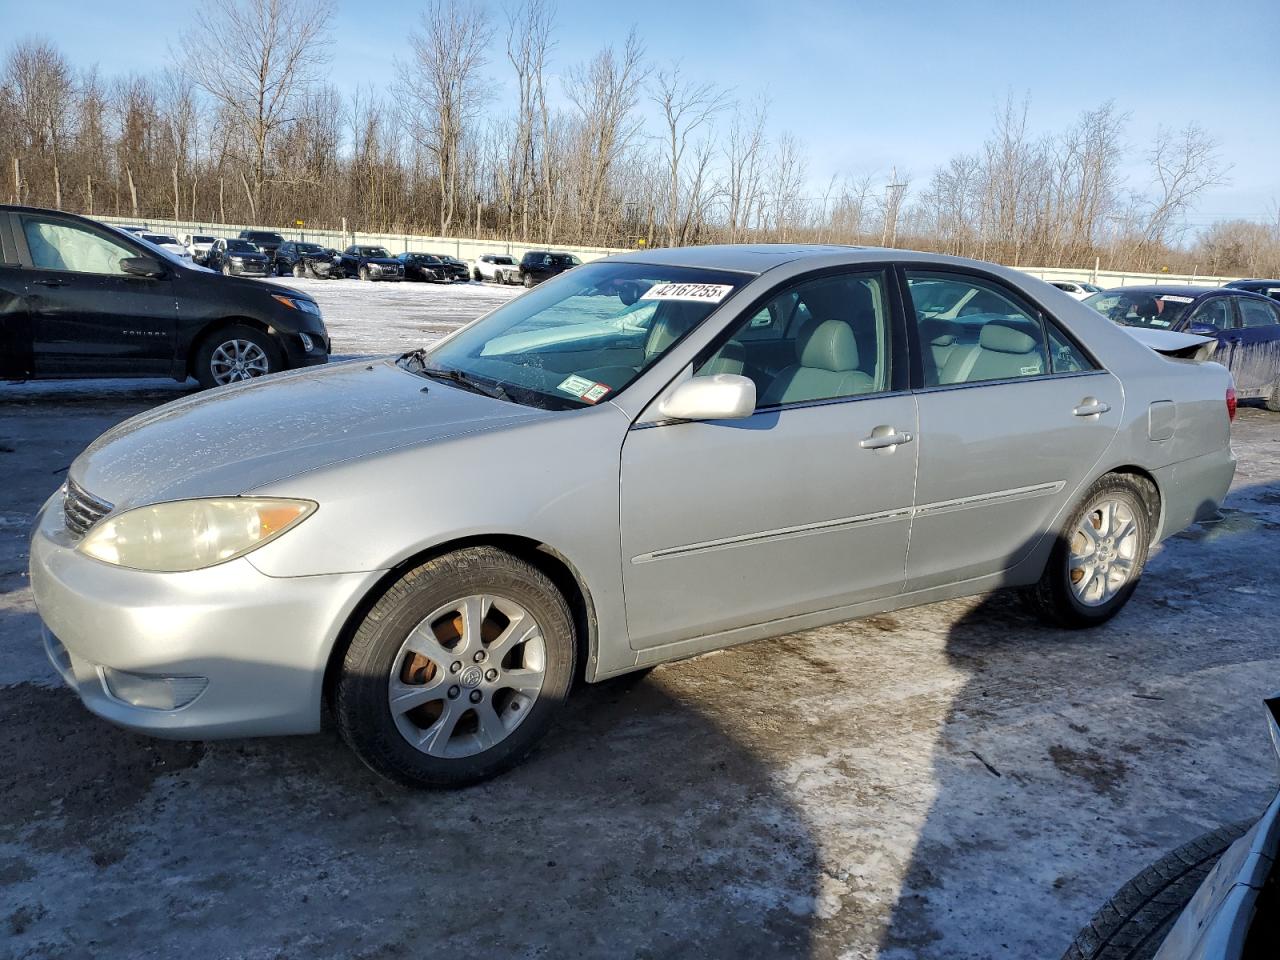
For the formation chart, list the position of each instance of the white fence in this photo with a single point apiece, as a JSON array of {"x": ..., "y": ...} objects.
[{"x": 465, "y": 249}]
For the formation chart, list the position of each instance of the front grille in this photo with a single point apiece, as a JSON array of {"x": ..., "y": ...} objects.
[{"x": 82, "y": 510}]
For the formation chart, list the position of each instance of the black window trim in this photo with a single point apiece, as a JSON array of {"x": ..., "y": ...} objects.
[
  {"x": 27, "y": 262},
  {"x": 1032, "y": 307}
]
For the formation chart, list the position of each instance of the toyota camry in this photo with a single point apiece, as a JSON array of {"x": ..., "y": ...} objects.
[{"x": 651, "y": 456}]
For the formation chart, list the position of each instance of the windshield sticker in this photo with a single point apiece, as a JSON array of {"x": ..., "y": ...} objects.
[
  {"x": 596, "y": 393},
  {"x": 700, "y": 292},
  {"x": 1170, "y": 298},
  {"x": 575, "y": 385}
]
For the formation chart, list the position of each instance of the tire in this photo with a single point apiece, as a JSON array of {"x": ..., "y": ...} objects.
[
  {"x": 299, "y": 271},
  {"x": 226, "y": 269},
  {"x": 378, "y": 657},
  {"x": 209, "y": 364},
  {"x": 1272, "y": 402},
  {"x": 364, "y": 272},
  {"x": 528, "y": 281},
  {"x": 1136, "y": 920},
  {"x": 476, "y": 276},
  {"x": 1104, "y": 586}
]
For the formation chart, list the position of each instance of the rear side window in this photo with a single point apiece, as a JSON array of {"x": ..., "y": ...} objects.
[
  {"x": 58, "y": 245},
  {"x": 972, "y": 330},
  {"x": 1255, "y": 313}
]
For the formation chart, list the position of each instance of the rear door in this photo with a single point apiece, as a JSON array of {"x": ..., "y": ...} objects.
[
  {"x": 1255, "y": 353},
  {"x": 1013, "y": 416},
  {"x": 88, "y": 317},
  {"x": 15, "y": 320}
]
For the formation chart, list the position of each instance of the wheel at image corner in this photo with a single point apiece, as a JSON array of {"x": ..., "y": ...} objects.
[
  {"x": 458, "y": 669},
  {"x": 1135, "y": 921},
  {"x": 211, "y": 363},
  {"x": 1097, "y": 559}
]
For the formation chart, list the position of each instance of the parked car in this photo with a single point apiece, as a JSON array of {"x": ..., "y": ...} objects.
[
  {"x": 497, "y": 267},
  {"x": 166, "y": 243},
  {"x": 1245, "y": 324},
  {"x": 1078, "y": 289},
  {"x": 87, "y": 300},
  {"x": 442, "y": 543},
  {"x": 268, "y": 241},
  {"x": 539, "y": 265},
  {"x": 1268, "y": 288},
  {"x": 198, "y": 246},
  {"x": 238, "y": 258},
  {"x": 431, "y": 268},
  {"x": 1216, "y": 898},
  {"x": 303, "y": 259},
  {"x": 369, "y": 263}
]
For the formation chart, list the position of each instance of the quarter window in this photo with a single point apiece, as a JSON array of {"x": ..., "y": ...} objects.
[
  {"x": 972, "y": 331},
  {"x": 65, "y": 246},
  {"x": 824, "y": 339}
]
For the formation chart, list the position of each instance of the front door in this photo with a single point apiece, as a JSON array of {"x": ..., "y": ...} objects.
[
  {"x": 88, "y": 317},
  {"x": 804, "y": 506},
  {"x": 1013, "y": 417},
  {"x": 1254, "y": 360}
]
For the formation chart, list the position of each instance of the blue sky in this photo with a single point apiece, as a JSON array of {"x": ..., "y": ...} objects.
[{"x": 863, "y": 85}]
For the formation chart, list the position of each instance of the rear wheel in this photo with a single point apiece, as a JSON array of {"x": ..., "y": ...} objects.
[
  {"x": 1273, "y": 402},
  {"x": 458, "y": 670},
  {"x": 235, "y": 353},
  {"x": 1097, "y": 560}
]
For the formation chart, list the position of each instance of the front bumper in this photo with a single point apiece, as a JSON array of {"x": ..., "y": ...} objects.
[
  {"x": 248, "y": 269},
  {"x": 261, "y": 642}
]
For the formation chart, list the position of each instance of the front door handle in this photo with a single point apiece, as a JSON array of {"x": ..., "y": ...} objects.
[
  {"x": 50, "y": 282},
  {"x": 884, "y": 438},
  {"x": 1091, "y": 407}
]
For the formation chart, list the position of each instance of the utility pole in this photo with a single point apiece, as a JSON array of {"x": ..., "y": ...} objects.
[{"x": 892, "y": 201}]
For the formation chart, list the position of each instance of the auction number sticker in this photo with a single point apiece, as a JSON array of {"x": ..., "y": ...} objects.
[
  {"x": 584, "y": 389},
  {"x": 1170, "y": 298},
  {"x": 700, "y": 292}
]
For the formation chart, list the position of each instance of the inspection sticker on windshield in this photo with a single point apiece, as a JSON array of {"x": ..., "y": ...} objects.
[
  {"x": 584, "y": 389},
  {"x": 1172, "y": 299},
  {"x": 701, "y": 292}
]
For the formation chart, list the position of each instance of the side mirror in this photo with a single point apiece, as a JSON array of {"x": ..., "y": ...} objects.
[
  {"x": 1203, "y": 329},
  {"x": 141, "y": 267},
  {"x": 722, "y": 396}
]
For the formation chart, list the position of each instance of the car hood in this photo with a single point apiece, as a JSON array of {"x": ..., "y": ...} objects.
[{"x": 233, "y": 440}]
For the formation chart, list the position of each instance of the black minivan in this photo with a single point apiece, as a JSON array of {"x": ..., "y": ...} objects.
[{"x": 81, "y": 299}]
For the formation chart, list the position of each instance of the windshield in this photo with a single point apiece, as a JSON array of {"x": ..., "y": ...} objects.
[
  {"x": 503, "y": 261},
  {"x": 373, "y": 252},
  {"x": 581, "y": 338},
  {"x": 1140, "y": 308},
  {"x": 157, "y": 238},
  {"x": 241, "y": 246},
  {"x": 267, "y": 237},
  {"x": 202, "y": 239},
  {"x": 308, "y": 248}
]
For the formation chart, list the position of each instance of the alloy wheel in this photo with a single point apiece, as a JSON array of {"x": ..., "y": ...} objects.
[
  {"x": 466, "y": 676},
  {"x": 1104, "y": 551},
  {"x": 237, "y": 360}
]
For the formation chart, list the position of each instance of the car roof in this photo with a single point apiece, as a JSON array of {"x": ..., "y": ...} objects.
[{"x": 1169, "y": 289}]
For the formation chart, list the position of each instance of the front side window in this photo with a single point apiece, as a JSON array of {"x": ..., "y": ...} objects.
[
  {"x": 580, "y": 339},
  {"x": 824, "y": 339},
  {"x": 972, "y": 330},
  {"x": 56, "y": 245},
  {"x": 1214, "y": 312},
  {"x": 1255, "y": 313}
]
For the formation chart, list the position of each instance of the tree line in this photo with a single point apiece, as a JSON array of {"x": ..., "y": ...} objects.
[{"x": 617, "y": 150}]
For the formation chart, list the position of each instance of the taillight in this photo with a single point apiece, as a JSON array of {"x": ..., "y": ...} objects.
[{"x": 1231, "y": 403}]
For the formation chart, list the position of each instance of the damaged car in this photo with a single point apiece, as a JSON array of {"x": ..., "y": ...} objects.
[
  {"x": 600, "y": 476},
  {"x": 298, "y": 259}
]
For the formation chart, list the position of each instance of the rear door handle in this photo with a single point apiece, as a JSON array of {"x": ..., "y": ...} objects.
[
  {"x": 50, "y": 282},
  {"x": 1089, "y": 407},
  {"x": 884, "y": 438}
]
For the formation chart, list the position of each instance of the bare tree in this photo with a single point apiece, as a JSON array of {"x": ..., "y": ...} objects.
[
  {"x": 40, "y": 83},
  {"x": 744, "y": 162},
  {"x": 529, "y": 26},
  {"x": 1184, "y": 164},
  {"x": 254, "y": 60},
  {"x": 442, "y": 88},
  {"x": 686, "y": 107}
]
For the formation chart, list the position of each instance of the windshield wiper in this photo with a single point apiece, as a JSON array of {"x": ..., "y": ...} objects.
[{"x": 466, "y": 381}]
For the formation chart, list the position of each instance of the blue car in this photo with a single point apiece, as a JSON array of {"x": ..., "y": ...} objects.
[{"x": 1245, "y": 324}]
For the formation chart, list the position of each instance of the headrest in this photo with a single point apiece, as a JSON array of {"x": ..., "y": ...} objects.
[
  {"x": 673, "y": 321},
  {"x": 1006, "y": 338},
  {"x": 829, "y": 345}
]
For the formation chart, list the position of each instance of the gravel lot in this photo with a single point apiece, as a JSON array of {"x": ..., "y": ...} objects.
[{"x": 953, "y": 781}]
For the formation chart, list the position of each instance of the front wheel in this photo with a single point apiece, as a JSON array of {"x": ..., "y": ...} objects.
[
  {"x": 235, "y": 353},
  {"x": 476, "y": 275},
  {"x": 458, "y": 670},
  {"x": 364, "y": 273},
  {"x": 528, "y": 281},
  {"x": 226, "y": 269},
  {"x": 1096, "y": 563},
  {"x": 299, "y": 270}
]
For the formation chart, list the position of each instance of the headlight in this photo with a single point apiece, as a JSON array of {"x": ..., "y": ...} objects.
[
  {"x": 191, "y": 534},
  {"x": 297, "y": 303}
]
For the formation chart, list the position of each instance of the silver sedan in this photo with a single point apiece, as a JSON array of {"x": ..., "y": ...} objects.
[{"x": 652, "y": 456}]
